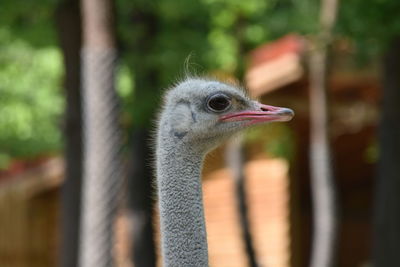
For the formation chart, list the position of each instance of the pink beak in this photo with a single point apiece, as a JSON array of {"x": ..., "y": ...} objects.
[{"x": 265, "y": 114}]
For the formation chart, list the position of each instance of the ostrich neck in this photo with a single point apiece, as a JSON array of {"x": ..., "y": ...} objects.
[{"x": 183, "y": 232}]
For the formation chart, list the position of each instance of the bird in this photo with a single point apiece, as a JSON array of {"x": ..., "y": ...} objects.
[{"x": 197, "y": 115}]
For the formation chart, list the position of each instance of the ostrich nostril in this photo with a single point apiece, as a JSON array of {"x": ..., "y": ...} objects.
[
  {"x": 265, "y": 109},
  {"x": 286, "y": 111}
]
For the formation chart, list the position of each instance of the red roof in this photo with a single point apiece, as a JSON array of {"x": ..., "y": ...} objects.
[{"x": 291, "y": 43}]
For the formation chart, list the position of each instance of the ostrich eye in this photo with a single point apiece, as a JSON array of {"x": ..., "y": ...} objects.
[{"x": 218, "y": 102}]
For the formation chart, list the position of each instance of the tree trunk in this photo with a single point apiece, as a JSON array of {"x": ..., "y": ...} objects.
[
  {"x": 387, "y": 194},
  {"x": 68, "y": 21},
  {"x": 235, "y": 162},
  {"x": 102, "y": 163},
  {"x": 141, "y": 177},
  {"x": 140, "y": 197},
  {"x": 322, "y": 180}
]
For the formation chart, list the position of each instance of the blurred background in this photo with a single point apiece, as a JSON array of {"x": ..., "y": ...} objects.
[{"x": 262, "y": 216}]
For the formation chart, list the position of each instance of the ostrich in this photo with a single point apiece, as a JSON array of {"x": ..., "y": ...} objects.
[{"x": 197, "y": 115}]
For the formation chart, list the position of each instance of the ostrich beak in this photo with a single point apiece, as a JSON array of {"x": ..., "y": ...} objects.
[{"x": 263, "y": 113}]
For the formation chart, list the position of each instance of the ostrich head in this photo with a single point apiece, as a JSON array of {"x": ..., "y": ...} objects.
[{"x": 203, "y": 113}]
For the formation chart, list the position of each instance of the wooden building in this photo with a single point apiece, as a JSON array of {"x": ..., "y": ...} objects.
[{"x": 29, "y": 211}]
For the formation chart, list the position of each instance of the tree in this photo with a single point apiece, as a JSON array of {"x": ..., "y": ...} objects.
[
  {"x": 373, "y": 41},
  {"x": 322, "y": 183},
  {"x": 102, "y": 162},
  {"x": 387, "y": 203},
  {"x": 69, "y": 29}
]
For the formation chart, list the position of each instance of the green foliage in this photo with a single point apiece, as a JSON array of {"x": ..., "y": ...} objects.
[
  {"x": 30, "y": 100},
  {"x": 369, "y": 25},
  {"x": 125, "y": 85},
  {"x": 30, "y": 70},
  {"x": 29, "y": 20}
]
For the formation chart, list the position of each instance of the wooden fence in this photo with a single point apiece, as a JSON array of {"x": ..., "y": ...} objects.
[{"x": 29, "y": 211}]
